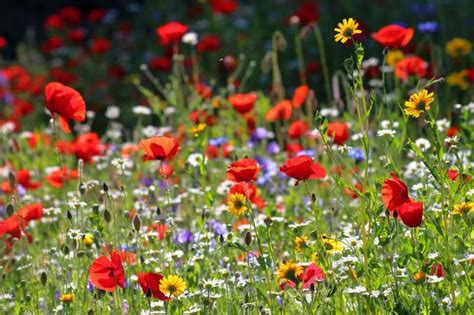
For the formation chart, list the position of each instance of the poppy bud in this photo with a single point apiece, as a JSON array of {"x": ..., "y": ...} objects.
[
  {"x": 248, "y": 238},
  {"x": 82, "y": 189},
  {"x": 105, "y": 187},
  {"x": 268, "y": 221},
  {"x": 69, "y": 215},
  {"x": 43, "y": 278},
  {"x": 395, "y": 214},
  {"x": 107, "y": 216},
  {"x": 11, "y": 179},
  {"x": 313, "y": 197},
  {"x": 158, "y": 211},
  {"x": 10, "y": 209},
  {"x": 137, "y": 223}
]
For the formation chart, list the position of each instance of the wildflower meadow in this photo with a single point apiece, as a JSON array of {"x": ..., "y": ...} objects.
[{"x": 238, "y": 157}]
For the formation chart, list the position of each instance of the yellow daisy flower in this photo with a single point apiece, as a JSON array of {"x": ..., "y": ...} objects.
[
  {"x": 332, "y": 245},
  {"x": 301, "y": 242},
  {"x": 196, "y": 131},
  {"x": 237, "y": 204},
  {"x": 419, "y": 103},
  {"x": 172, "y": 286},
  {"x": 88, "y": 239},
  {"x": 393, "y": 57},
  {"x": 67, "y": 298},
  {"x": 463, "y": 208},
  {"x": 458, "y": 79},
  {"x": 458, "y": 47},
  {"x": 289, "y": 271},
  {"x": 346, "y": 30}
]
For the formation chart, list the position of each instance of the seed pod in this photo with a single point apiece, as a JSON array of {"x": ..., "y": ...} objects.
[
  {"x": 69, "y": 215},
  {"x": 137, "y": 223},
  {"x": 107, "y": 216},
  {"x": 43, "y": 278},
  {"x": 158, "y": 211},
  {"x": 80, "y": 253},
  {"x": 82, "y": 189},
  {"x": 95, "y": 209},
  {"x": 10, "y": 209},
  {"x": 313, "y": 197},
  {"x": 248, "y": 238},
  {"x": 268, "y": 221},
  {"x": 105, "y": 187},
  {"x": 11, "y": 179}
]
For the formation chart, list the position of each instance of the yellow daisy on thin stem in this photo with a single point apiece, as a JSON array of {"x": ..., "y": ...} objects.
[
  {"x": 346, "y": 30},
  {"x": 419, "y": 103},
  {"x": 237, "y": 204},
  {"x": 289, "y": 271},
  {"x": 172, "y": 286}
]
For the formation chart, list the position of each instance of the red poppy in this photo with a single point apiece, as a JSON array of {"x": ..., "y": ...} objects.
[
  {"x": 411, "y": 66},
  {"x": 62, "y": 75},
  {"x": 243, "y": 103},
  {"x": 160, "y": 64},
  {"x": 339, "y": 132},
  {"x": 297, "y": 129},
  {"x": 96, "y": 15},
  {"x": 452, "y": 131},
  {"x": 300, "y": 95},
  {"x": 23, "y": 177},
  {"x": 395, "y": 198},
  {"x": 209, "y": 43},
  {"x": 65, "y": 102},
  {"x": 281, "y": 111},
  {"x": 171, "y": 32},
  {"x": 311, "y": 275},
  {"x": 15, "y": 224},
  {"x": 51, "y": 44},
  {"x": 159, "y": 228},
  {"x": 100, "y": 46},
  {"x": 249, "y": 190},
  {"x": 53, "y": 21},
  {"x": 22, "y": 107},
  {"x": 394, "y": 193},
  {"x": 87, "y": 146},
  {"x": 224, "y": 6},
  {"x": 57, "y": 177},
  {"x": 107, "y": 273},
  {"x": 293, "y": 148},
  {"x": 70, "y": 15},
  {"x": 308, "y": 12},
  {"x": 437, "y": 270},
  {"x": 393, "y": 36},
  {"x": 3, "y": 42},
  {"x": 302, "y": 167},
  {"x": 453, "y": 174},
  {"x": 244, "y": 170},
  {"x": 159, "y": 148},
  {"x": 150, "y": 284},
  {"x": 411, "y": 213}
]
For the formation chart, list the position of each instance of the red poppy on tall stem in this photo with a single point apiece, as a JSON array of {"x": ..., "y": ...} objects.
[
  {"x": 107, "y": 273},
  {"x": 395, "y": 198},
  {"x": 224, "y": 6},
  {"x": 297, "y": 129},
  {"x": 281, "y": 111},
  {"x": 209, "y": 43},
  {"x": 159, "y": 148},
  {"x": 87, "y": 146},
  {"x": 171, "y": 33},
  {"x": 393, "y": 36},
  {"x": 311, "y": 275},
  {"x": 64, "y": 102},
  {"x": 302, "y": 167},
  {"x": 243, "y": 103},
  {"x": 339, "y": 132},
  {"x": 300, "y": 95},
  {"x": 411, "y": 66},
  {"x": 15, "y": 224},
  {"x": 150, "y": 284},
  {"x": 244, "y": 170}
]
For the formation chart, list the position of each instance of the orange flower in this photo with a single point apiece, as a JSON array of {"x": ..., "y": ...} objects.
[{"x": 159, "y": 148}]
